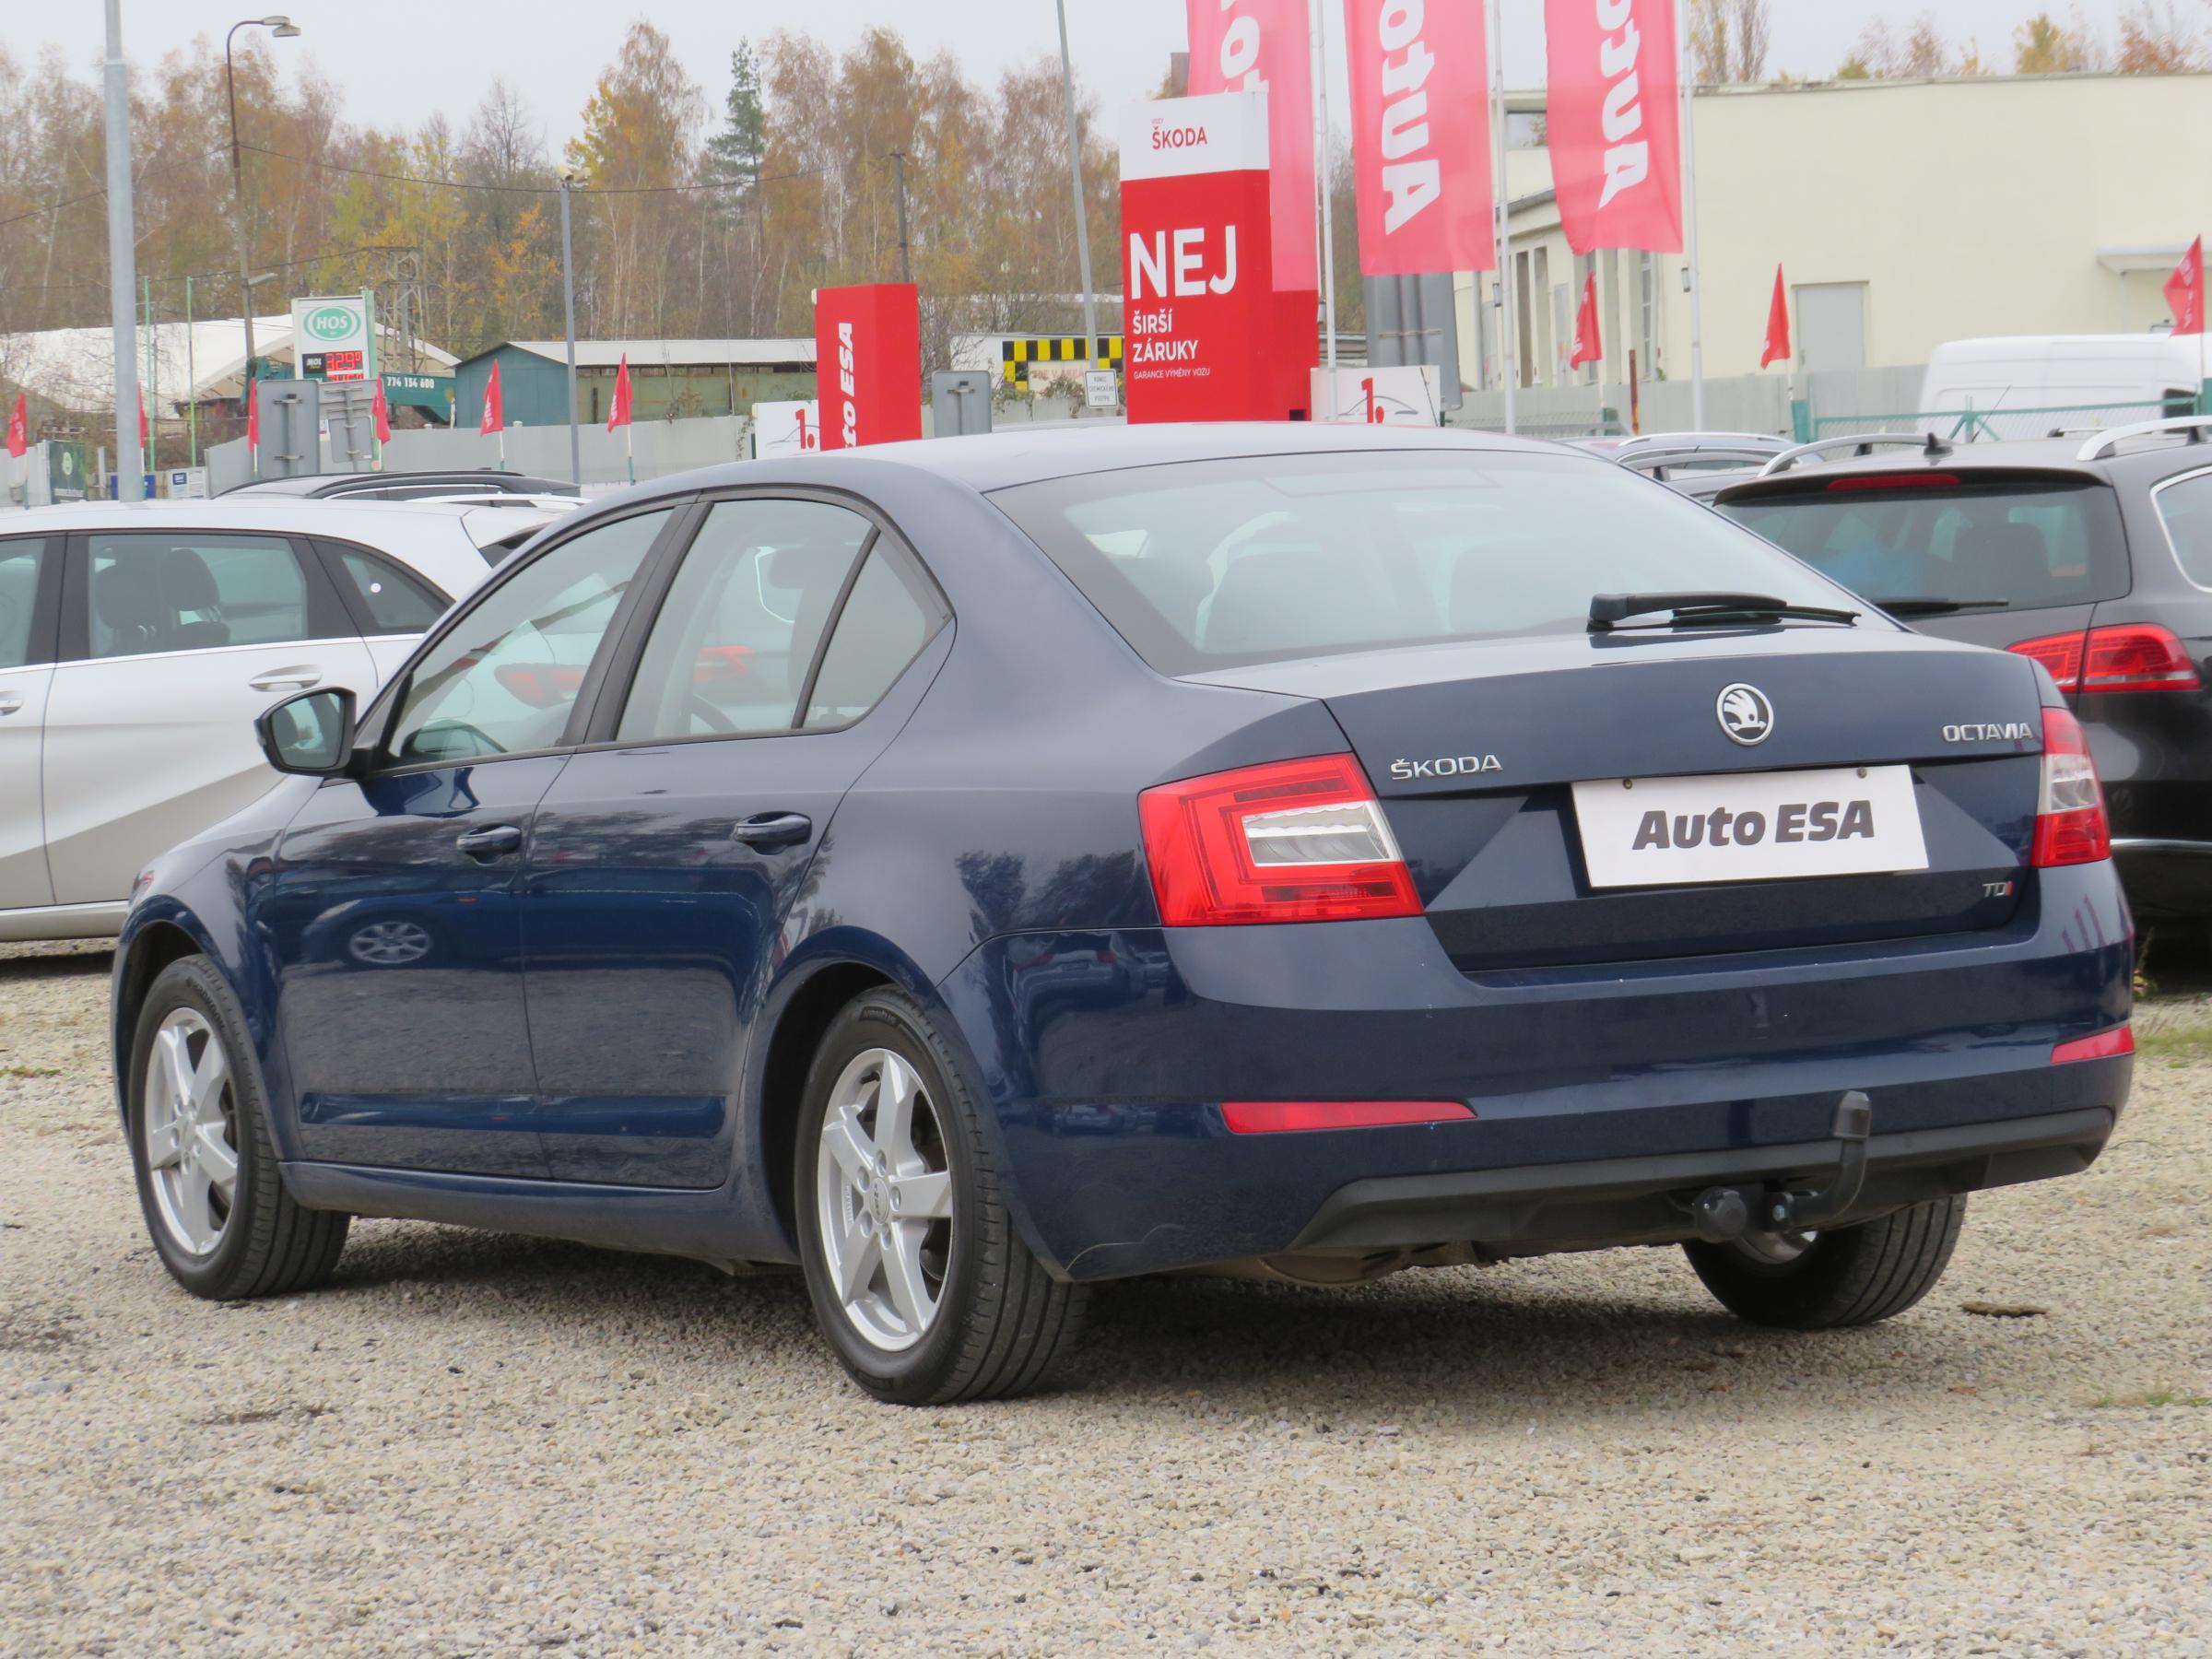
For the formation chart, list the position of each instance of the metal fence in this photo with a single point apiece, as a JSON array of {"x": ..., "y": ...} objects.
[{"x": 1969, "y": 426}]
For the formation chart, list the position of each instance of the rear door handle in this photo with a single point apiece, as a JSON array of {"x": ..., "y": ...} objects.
[
  {"x": 287, "y": 679},
  {"x": 490, "y": 844},
  {"x": 773, "y": 829}
]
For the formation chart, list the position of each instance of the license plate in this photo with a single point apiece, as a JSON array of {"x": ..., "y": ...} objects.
[{"x": 1847, "y": 820}]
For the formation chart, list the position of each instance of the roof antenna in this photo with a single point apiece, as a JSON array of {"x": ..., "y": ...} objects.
[{"x": 1934, "y": 447}]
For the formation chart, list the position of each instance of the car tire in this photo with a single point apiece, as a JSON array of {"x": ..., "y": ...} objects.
[
  {"x": 1854, "y": 1275},
  {"x": 923, "y": 1208},
  {"x": 223, "y": 1241}
]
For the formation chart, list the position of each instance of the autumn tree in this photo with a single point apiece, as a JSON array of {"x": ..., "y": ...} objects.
[
  {"x": 2042, "y": 46},
  {"x": 2154, "y": 39},
  {"x": 1729, "y": 41}
]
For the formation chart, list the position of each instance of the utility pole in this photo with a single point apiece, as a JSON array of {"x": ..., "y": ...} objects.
[
  {"x": 906, "y": 268},
  {"x": 130, "y": 468},
  {"x": 567, "y": 175},
  {"x": 1075, "y": 169}
]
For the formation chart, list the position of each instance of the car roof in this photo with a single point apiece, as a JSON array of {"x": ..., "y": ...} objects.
[
  {"x": 376, "y": 522},
  {"x": 1031, "y": 454},
  {"x": 2140, "y": 460}
]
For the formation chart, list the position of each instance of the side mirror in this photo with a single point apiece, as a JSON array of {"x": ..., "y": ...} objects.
[{"x": 309, "y": 735}]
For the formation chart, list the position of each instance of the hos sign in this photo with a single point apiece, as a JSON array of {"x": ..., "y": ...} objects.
[{"x": 1208, "y": 338}]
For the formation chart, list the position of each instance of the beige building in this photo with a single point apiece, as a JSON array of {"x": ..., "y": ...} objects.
[{"x": 1905, "y": 214}]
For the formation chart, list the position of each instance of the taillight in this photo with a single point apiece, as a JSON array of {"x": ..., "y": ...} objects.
[
  {"x": 2104, "y": 1045},
  {"x": 1284, "y": 1117},
  {"x": 2070, "y": 824},
  {"x": 1889, "y": 481},
  {"x": 1294, "y": 841},
  {"x": 2135, "y": 656}
]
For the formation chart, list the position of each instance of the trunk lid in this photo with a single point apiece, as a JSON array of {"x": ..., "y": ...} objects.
[{"x": 1475, "y": 751}]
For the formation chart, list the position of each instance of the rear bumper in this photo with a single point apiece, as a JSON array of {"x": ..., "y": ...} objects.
[
  {"x": 2167, "y": 879},
  {"x": 1640, "y": 1200},
  {"x": 1599, "y": 1094}
]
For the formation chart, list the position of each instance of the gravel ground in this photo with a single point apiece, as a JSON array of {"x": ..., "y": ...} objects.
[{"x": 478, "y": 1444}]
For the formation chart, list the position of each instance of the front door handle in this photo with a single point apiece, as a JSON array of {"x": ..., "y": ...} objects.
[
  {"x": 773, "y": 829},
  {"x": 490, "y": 844},
  {"x": 287, "y": 679},
  {"x": 11, "y": 703}
]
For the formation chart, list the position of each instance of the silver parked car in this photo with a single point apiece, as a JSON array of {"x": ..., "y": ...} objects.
[{"x": 138, "y": 643}]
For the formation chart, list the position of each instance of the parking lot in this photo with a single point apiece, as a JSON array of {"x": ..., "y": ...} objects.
[{"x": 474, "y": 1443}]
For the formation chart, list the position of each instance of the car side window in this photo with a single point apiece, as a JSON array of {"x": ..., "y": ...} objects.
[
  {"x": 730, "y": 648},
  {"x": 504, "y": 678},
  {"x": 2186, "y": 510},
  {"x": 392, "y": 600},
  {"x": 18, "y": 598},
  {"x": 888, "y": 616},
  {"x": 191, "y": 590}
]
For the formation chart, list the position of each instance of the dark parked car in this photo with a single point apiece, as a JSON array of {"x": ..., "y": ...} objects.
[
  {"x": 977, "y": 868},
  {"x": 2092, "y": 554},
  {"x": 405, "y": 486}
]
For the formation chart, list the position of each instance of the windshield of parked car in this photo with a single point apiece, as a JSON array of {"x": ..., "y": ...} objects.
[
  {"x": 2003, "y": 544},
  {"x": 1212, "y": 564}
]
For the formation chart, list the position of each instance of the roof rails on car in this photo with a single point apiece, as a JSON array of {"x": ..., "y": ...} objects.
[
  {"x": 1864, "y": 444},
  {"x": 1657, "y": 460},
  {"x": 2103, "y": 444}
]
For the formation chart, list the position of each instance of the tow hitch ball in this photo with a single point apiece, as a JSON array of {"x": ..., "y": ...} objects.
[{"x": 1723, "y": 1213}]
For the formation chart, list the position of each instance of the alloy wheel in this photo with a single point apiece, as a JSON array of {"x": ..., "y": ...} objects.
[
  {"x": 390, "y": 943},
  {"x": 883, "y": 1192},
  {"x": 191, "y": 1128}
]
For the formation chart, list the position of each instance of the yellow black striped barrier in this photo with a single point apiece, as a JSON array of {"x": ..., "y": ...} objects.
[{"x": 1015, "y": 356}]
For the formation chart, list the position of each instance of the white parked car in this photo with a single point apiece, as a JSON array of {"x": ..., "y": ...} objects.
[{"x": 138, "y": 643}]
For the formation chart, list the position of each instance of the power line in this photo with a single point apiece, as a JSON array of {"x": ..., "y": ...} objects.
[
  {"x": 91, "y": 196},
  {"x": 229, "y": 275},
  {"x": 370, "y": 172}
]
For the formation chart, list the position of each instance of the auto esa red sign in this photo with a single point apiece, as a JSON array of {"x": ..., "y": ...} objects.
[
  {"x": 1207, "y": 331},
  {"x": 868, "y": 343}
]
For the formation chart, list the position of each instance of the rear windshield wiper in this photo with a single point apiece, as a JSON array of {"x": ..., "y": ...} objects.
[
  {"x": 1939, "y": 608},
  {"x": 1609, "y": 611}
]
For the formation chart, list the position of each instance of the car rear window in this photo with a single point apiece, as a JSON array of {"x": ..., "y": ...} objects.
[
  {"x": 1217, "y": 563},
  {"x": 2007, "y": 545}
]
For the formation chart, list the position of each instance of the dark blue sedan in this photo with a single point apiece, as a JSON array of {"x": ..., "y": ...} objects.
[{"x": 974, "y": 869}]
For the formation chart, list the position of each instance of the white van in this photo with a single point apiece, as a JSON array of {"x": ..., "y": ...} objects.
[{"x": 2133, "y": 376}]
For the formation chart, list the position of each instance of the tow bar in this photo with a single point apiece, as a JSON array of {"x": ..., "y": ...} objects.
[{"x": 1726, "y": 1213}]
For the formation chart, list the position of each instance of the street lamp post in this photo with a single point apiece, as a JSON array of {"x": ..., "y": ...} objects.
[
  {"x": 568, "y": 176},
  {"x": 283, "y": 28}
]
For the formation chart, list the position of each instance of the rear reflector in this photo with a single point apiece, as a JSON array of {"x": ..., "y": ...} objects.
[
  {"x": 2135, "y": 656},
  {"x": 1282, "y": 1117},
  {"x": 2070, "y": 824},
  {"x": 1295, "y": 840},
  {"x": 2105, "y": 1045},
  {"x": 1891, "y": 481}
]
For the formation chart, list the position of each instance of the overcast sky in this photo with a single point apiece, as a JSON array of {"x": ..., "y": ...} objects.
[{"x": 397, "y": 61}]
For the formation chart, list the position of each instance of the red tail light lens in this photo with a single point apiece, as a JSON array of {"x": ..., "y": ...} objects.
[
  {"x": 2105, "y": 1045},
  {"x": 2136, "y": 656},
  {"x": 2070, "y": 824},
  {"x": 1296, "y": 840},
  {"x": 1283, "y": 1117},
  {"x": 1890, "y": 481}
]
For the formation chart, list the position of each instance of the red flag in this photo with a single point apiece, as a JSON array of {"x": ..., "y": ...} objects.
[
  {"x": 381, "y": 412},
  {"x": 619, "y": 415},
  {"x": 145, "y": 445},
  {"x": 494, "y": 419},
  {"x": 1613, "y": 118},
  {"x": 19, "y": 428},
  {"x": 254, "y": 415},
  {"x": 1421, "y": 135},
  {"x": 1778, "y": 324},
  {"x": 1588, "y": 347},
  {"x": 1241, "y": 46},
  {"x": 2186, "y": 290}
]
